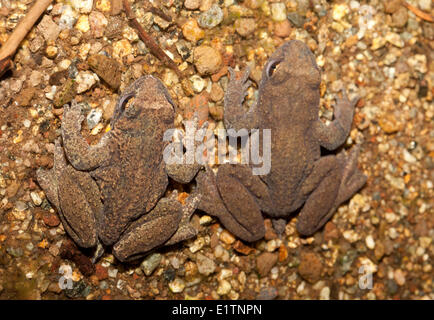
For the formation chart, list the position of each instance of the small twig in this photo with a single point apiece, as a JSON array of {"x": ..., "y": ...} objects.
[
  {"x": 421, "y": 14},
  {"x": 157, "y": 11},
  {"x": 20, "y": 32},
  {"x": 160, "y": 13},
  {"x": 5, "y": 65},
  {"x": 149, "y": 41}
]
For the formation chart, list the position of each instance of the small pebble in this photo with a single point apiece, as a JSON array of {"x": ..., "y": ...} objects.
[
  {"x": 36, "y": 199},
  {"x": 150, "y": 263},
  {"x": 85, "y": 80},
  {"x": 112, "y": 272},
  {"x": 122, "y": 48},
  {"x": 197, "y": 245},
  {"x": 394, "y": 39},
  {"x": 51, "y": 219},
  {"x": 51, "y": 51},
  {"x": 211, "y": 18},
  {"x": 207, "y": 60},
  {"x": 98, "y": 22},
  {"x": 425, "y": 4},
  {"x": 310, "y": 266},
  {"x": 267, "y": 293},
  {"x": 265, "y": 261},
  {"x": 84, "y": 6},
  {"x": 192, "y": 32},
  {"x": 177, "y": 285},
  {"x": 324, "y": 293},
  {"x": 105, "y": 5},
  {"x": 245, "y": 26},
  {"x": 282, "y": 29},
  {"x": 370, "y": 243},
  {"x": 296, "y": 19},
  {"x": 48, "y": 28},
  {"x": 106, "y": 68},
  {"x": 216, "y": 93},
  {"x": 205, "y": 265},
  {"x": 278, "y": 11},
  {"x": 93, "y": 118},
  {"x": 399, "y": 277},
  {"x": 68, "y": 17},
  {"x": 227, "y": 237},
  {"x": 223, "y": 288},
  {"x": 83, "y": 24},
  {"x": 340, "y": 11},
  {"x": 391, "y": 6},
  {"x": 192, "y": 4}
]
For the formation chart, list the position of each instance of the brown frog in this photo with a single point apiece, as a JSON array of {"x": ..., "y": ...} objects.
[
  {"x": 113, "y": 191},
  {"x": 299, "y": 177}
]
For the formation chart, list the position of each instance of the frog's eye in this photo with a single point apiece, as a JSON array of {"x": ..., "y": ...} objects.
[
  {"x": 272, "y": 66},
  {"x": 124, "y": 100},
  {"x": 120, "y": 107}
]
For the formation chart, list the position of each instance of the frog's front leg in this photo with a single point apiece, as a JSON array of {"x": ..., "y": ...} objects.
[
  {"x": 150, "y": 230},
  {"x": 333, "y": 135},
  {"x": 184, "y": 172},
  {"x": 80, "y": 154},
  {"x": 333, "y": 180},
  {"x": 234, "y": 115},
  {"x": 236, "y": 197}
]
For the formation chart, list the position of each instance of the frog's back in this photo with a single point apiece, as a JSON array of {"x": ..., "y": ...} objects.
[
  {"x": 293, "y": 150},
  {"x": 132, "y": 182}
]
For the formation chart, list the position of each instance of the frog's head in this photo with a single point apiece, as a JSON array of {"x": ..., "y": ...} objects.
[
  {"x": 146, "y": 98},
  {"x": 290, "y": 68}
]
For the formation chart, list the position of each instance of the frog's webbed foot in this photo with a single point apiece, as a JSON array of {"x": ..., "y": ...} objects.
[
  {"x": 236, "y": 91},
  {"x": 237, "y": 88},
  {"x": 234, "y": 115},
  {"x": 352, "y": 178},
  {"x": 184, "y": 169},
  {"x": 186, "y": 230},
  {"x": 344, "y": 106},
  {"x": 72, "y": 118}
]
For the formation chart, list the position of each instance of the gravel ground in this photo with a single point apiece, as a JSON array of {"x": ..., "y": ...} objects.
[{"x": 377, "y": 246}]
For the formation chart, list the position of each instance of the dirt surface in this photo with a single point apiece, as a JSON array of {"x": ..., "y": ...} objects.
[{"x": 379, "y": 245}]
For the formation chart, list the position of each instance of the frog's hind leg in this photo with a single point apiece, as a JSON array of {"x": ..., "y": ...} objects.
[
  {"x": 333, "y": 181},
  {"x": 81, "y": 206},
  {"x": 352, "y": 178},
  {"x": 150, "y": 230},
  {"x": 232, "y": 196},
  {"x": 185, "y": 229},
  {"x": 321, "y": 188},
  {"x": 74, "y": 195},
  {"x": 48, "y": 179}
]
